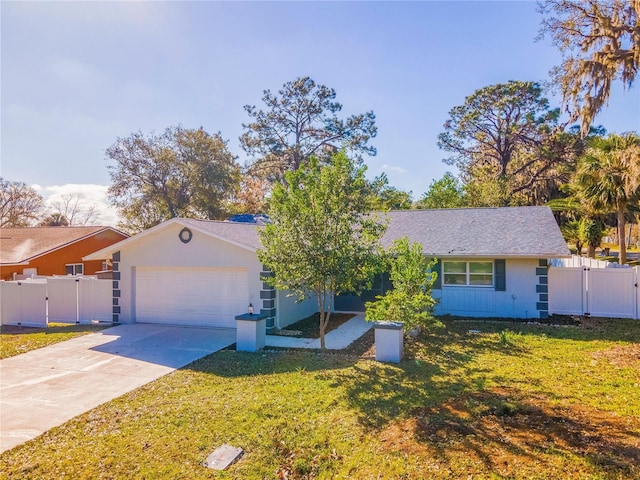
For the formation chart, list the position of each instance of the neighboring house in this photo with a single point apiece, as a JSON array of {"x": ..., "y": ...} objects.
[
  {"x": 493, "y": 262},
  {"x": 42, "y": 251}
]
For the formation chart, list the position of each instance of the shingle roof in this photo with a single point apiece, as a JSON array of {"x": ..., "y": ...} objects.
[
  {"x": 470, "y": 232},
  {"x": 21, "y": 244},
  {"x": 478, "y": 232},
  {"x": 245, "y": 234}
]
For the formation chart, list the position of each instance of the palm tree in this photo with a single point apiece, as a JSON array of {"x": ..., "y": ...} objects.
[{"x": 608, "y": 177}]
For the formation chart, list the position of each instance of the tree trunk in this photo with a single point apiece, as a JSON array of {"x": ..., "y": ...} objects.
[
  {"x": 622, "y": 256},
  {"x": 591, "y": 251},
  {"x": 321, "y": 303}
]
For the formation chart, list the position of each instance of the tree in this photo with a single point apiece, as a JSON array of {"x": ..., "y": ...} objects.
[
  {"x": 498, "y": 132},
  {"x": 590, "y": 231},
  {"x": 571, "y": 233},
  {"x": 301, "y": 121},
  {"x": 251, "y": 197},
  {"x": 321, "y": 239},
  {"x": 55, "y": 220},
  {"x": 179, "y": 173},
  {"x": 20, "y": 204},
  {"x": 384, "y": 197},
  {"x": 608, "y": 177},
  {"x": 71, "y": 209},
  {"x": 600, "y": 43},
  {"x": 410, "y": 300},
  {"x": 443, "y": 193}
]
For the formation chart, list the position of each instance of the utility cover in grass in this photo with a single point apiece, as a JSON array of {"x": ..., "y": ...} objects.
[{"x": 222, "y": 457}]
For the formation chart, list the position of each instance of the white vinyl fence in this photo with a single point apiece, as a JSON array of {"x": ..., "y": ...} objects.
[
  {"x": 599, "y": 292},
  {"x": 578, "y": 261},
  {"x": 55, "y": 299}
]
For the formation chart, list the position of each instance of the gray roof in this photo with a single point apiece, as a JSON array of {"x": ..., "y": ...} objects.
[
  {"x": 467, "y": 232},
  {"x": 479, "y": 232},
  {"x": 244, "y": 234}
]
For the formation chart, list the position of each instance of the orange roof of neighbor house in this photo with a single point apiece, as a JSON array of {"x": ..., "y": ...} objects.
[{"x": 19, "y": 245}]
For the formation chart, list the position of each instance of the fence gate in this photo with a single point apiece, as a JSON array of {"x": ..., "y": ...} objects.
[{"x": 600, "y": 292}]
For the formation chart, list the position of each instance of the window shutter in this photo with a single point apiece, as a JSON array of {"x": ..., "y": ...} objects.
[
  {"x": 500, "y": 274},
  {"x": 437, "y": 267}
]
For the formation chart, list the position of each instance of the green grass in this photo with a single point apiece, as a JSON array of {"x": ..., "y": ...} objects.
[
  {"x": 514, "y": 401},
  {"x": 15, "y": 340}
]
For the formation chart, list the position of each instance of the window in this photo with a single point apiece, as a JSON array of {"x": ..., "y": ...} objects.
[
  {"x": 478, "y": 274},
  {"x": 75, "y": 269}
]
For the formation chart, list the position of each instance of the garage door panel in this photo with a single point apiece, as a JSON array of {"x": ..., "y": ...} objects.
[{"x": 191, "y": 296}]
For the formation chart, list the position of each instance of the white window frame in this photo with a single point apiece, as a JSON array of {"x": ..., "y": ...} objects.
[
  {"x": 467, "y": 274},
  {"x": 74, "y": 268}
]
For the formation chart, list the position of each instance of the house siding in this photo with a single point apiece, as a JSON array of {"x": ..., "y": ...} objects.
[
  {"x": 519, "y": 300},
  {"x": 164, "y": 249}
]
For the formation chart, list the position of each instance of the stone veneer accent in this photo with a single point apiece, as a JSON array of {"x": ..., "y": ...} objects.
[
  {"x": 268, "y": 297},
  {"x": 115, "y": 260},
  {"x": 542, "y": 288}
]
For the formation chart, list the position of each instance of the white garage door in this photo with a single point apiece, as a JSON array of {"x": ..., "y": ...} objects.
[{"x": 209, "y": 297}]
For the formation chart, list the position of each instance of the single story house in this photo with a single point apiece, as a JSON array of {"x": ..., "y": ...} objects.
[
  {"x": 491, "y": 262},
  {"x": 45, "y": 251}
]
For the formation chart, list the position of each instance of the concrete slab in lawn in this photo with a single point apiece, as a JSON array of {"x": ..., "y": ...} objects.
[{"x": 46, "y": 387}]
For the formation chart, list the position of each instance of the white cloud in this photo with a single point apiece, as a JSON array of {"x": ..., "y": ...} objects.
[
  {"x": 88, "y": 195},
  {"x": 392, "y": 169}
]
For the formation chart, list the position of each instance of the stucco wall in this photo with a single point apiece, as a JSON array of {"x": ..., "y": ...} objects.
[
  {"x": 520, "y": 300},
  {"x": 289, "y": 311},
  {"x": 163, "y": 248}
]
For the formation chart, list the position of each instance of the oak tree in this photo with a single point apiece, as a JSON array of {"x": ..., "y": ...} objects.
[
  {"x": 600, "y": 43},
  {"x": 20, "y": 204},
  {"x": 179, "y": 173}
]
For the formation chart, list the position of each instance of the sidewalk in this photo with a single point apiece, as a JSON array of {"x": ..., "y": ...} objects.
[{"x": 337, "y": 339}]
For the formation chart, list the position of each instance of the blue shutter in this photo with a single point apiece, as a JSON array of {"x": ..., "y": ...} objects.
[
  {"x": 437, "y": 267},
  {"x": 500, "y": 275}
]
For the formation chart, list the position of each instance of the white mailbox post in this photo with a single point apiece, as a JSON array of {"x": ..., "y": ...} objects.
[
  {"x": 389, "y": 341},
  {"x": 251, "y": 331}
]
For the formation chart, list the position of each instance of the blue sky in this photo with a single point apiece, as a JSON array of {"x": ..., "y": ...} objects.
[{"x": 77, "y": 75}]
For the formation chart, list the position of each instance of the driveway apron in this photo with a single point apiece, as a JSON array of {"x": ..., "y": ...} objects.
[{"x": 46, "y": 387}]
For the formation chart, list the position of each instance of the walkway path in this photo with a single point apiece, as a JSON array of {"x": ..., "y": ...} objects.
[{"x": 337, "y": 339}]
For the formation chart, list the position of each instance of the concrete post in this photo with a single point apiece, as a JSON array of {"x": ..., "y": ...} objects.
[
  {"x": 389, "y": 341},
  {"x": 251, "y": 331}
]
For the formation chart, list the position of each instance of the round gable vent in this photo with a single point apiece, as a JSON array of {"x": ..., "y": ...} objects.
[{"x": 185, "y": 235}]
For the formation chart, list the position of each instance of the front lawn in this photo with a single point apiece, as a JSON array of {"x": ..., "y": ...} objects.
[
  {"x": 510, "y": 401},
  {"x": 15, "y": 340}
]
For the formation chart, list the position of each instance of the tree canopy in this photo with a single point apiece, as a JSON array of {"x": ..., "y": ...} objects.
[
  {"x": 608, "y": 178},
  {"x": 321, "y": 241},
  {"x": 446, "y": 192},
  {"x": 299, "y": 121},
  {"x": 410, "y": 300},
  {"x": 600, "y": 43},
  {"x": 20, "y": 204},
  {"x": 384, "y": 197},
  {"x": 179, "y": 173},
  {"x": 497, "y": 137}
]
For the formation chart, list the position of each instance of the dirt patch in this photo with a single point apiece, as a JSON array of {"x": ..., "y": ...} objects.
[
  {"x": 503, "y": 431},
  {"x": 621, "y": 356}
]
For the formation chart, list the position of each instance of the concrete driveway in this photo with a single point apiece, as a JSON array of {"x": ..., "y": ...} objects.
[{"x": 44, "y": 388}]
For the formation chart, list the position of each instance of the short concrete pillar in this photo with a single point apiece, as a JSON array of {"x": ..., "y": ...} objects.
[
  {"x": 389, "y": 341},
  {"x": 251, "y": 331}
]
